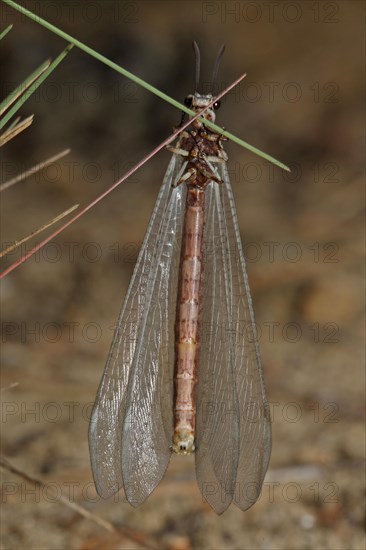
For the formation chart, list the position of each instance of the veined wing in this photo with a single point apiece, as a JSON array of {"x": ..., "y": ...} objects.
[
  {"x": 132, "y": 420},
  {"x": 217, "y": 418},
  {"x": 255, "y": 420},
  {"x": 233, "y": 424}
]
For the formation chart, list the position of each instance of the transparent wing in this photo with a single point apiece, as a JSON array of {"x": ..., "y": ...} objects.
[
  {"x": 255, "y": 421},
  {"x": 132, "y": 420},
  {"x": 217, "y": 419},
  {"x": 234, "y": 439}
]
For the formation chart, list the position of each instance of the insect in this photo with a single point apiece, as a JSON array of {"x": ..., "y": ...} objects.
[{"x": 183, "y": 373}]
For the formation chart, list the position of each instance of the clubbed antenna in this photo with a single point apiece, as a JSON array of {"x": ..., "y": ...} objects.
[
  {"x": 198, "y": 63},
  {"x": 220, "y": 53}
]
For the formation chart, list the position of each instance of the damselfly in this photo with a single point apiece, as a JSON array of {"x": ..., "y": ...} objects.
[{"x": 183, "y": 373}]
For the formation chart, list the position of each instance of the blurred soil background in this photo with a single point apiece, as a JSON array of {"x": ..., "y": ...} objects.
[{"x": 302, "y": 102}]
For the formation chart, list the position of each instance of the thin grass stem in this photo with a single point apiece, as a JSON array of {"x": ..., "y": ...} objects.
[{"x": 141, "y": 82}]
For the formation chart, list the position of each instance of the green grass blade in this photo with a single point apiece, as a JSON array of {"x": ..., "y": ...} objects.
[
  {"x": 5, "y": 31},
  {"x": 139, "y": 81},
  {"x": 33, "y": 87},
  {"x": 13, "y": 123},
  {"x": 102, "y": 58},
  {"x": 253, "y": 149},
  {"x": 19, "y": 90}
]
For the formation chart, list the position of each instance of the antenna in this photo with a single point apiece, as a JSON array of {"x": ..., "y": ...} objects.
[
  {"x": 216, "y": 66},
  {"x": 198, "y": 63}
]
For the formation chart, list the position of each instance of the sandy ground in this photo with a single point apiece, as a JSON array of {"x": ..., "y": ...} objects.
[{"x": 302, "y": 102}]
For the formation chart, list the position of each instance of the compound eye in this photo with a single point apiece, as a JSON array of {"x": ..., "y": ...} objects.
[
  {"x": 216, "y": 105},
  {"x": 188, "y": 101}
]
